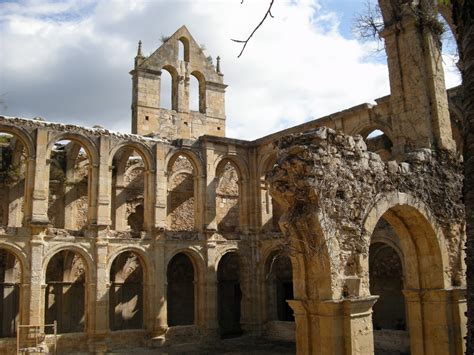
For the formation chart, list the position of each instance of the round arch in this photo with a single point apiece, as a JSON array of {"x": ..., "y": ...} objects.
[
  {"x": 240, "y": 165},
  {"x": 185, "y": 42},
  {"x": 142, "y": 149},
  {"x": 144, "y": 260},
  {"x": 22, "y": 257},
  {"x": 83, "y": 253},
  {"x": 84, "y": 141},
  {"x": 193, "y": 158},
  {"x": 196, "y": 258},
  {"x": 422, "y": 240},
  {"x": 23, "y": 136},
  {"x": 201, "y": 90}
]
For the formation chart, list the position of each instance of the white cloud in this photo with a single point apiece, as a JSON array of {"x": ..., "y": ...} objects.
[{"x": 69, "y": 61}]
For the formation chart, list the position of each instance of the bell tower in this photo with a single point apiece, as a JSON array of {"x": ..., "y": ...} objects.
[{"x": 149, "y": 118}]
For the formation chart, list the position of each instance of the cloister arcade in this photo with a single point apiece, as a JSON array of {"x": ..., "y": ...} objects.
[{"x": 316, "y": 235}]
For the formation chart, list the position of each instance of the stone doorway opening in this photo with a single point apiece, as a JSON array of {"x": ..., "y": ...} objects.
[
  {"x": 229, "y": 296},
  {"x": 180, "y": 291}
]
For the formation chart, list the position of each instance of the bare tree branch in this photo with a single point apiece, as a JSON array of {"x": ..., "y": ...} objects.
[{"x": 246, "y": 41}]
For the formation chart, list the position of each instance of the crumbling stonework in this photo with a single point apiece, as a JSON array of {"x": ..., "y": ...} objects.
[{"x": 173, "y": 234}]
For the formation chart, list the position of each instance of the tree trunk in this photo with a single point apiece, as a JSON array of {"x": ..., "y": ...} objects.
[{"x": 463, "y": 14}]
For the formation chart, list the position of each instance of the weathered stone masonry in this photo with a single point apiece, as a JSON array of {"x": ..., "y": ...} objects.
[{"x": 176, "y": 233}]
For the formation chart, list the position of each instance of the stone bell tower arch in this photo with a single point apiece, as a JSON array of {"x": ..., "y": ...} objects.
[{"x": 149, "y": 118}]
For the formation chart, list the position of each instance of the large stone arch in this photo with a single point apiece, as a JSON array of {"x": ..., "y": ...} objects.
[
  {"x": 185, "y": 187},
  {"x": 425, "y": 263},
  {"x": 423, "y": 241},
  {"x": 16, "y": 202},
  {"x": 67, "y": 296},
  {"x": 90, "y": 147},
  {"x": 227, "y": 219},
  {"x": 13, "y": 301},
  {"x": 199, "y": 264},
  {"x": 145, "y": 152}
]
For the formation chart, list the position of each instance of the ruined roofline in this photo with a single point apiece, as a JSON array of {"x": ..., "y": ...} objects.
[
  {"x": 320, "y": 121},
  {"x": 70, "y": 128}
]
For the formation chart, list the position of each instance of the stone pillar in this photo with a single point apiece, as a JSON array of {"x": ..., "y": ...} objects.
[
  {"x": 418, "y": 97},
  {"x": 436, "y": 321},
  {"x": 183, "y": 93},
  {"x": 244, "y": 204},
  {"x": 149, "y": 200},
  {"x": 70, "y": 196},
  {"x": 334, "y": 326},
  {"x": 36, "y": 299},
  {"x": 439, "y": 322},
  {"x": 161, "y": 314},
  {"x": 102, "y": 183},
  {"x": 161, "y": 186},
  {"x": 414, "y": 313},
  {"x": 459, "y": 309},
  {"x": 210, "y": 202},
  {"x": 120, "y": 208},
  {"x": 39, "y": 203},
  {"x": 211, "y": 322},
  {"x": 100, "y": 324}
]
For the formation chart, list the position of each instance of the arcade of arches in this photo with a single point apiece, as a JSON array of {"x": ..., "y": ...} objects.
[{"x": 328, "y": 234}]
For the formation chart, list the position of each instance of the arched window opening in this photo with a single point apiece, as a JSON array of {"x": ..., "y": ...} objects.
[
  {"x": 227, "y": 198},
  {"x": 279, "y": 276},
  {"x": 193, "y": 93},
  {"x": 65, "y": 292},
  {"x": 386, "y": 281},
  {"x": 69, "y": 174},
  {"x": 197, "y": 92},
  {"x": 378, "y": 142},
  {"x": 126, "y": 292},
  {"x": 128, "y": 192},
  {"x": 181, "y": 201},
  {"x": 271, "y": 209},
  {"x": 180, "y": 291},
  {"x": 183, "y": 49},
  {"x": 450, "y": 54},
  {"x": 229, "y": 296},
  {"x": 166, "y": 90},
  {"x": 10, "y": 281},
  {"x": 13, "y": 167}
]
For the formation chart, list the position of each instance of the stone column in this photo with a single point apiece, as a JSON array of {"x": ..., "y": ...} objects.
[
  {"x": 334, "y": 326},
  {"x": 70, "y": 195},
  {"x": 244, "y": 205},
  {"x": 149, "y": 200},
  {"x": 459, "y": 309},
  {"x": 418, "y": 97},
  {"x": 414, "y": 312},
  {"x": 36, "y": 299},
  {"x": 102, "y": 183},
  {"x": 161, "y": 186},
  {"x": 211, "y": 302},
  {"x": 39, "y": 203},
  {"x": 210, "y": 185},
  {"x": 439, "y": 321},
  {"x": 100, "y": 325},
  {"x": 161, "y": 314}
]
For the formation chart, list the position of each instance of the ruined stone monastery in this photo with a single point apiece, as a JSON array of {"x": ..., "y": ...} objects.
[{"x": 321, "y": 234}]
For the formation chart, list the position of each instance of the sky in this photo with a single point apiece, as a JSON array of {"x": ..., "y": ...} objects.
[{"x": 69, "y": 61}]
